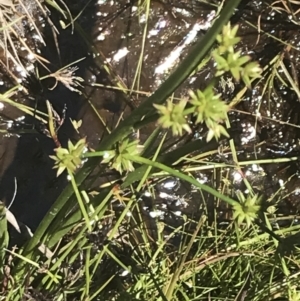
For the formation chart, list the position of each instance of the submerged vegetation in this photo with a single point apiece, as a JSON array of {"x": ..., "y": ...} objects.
[{"x": 141, "y": 178}]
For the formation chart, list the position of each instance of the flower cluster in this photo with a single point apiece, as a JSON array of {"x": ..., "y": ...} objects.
[
  {"x": 246, "y": 211},
  {"x": 205, "y": 105},
  {"x": 69, "y": 158},
  {"x": 68, "y": 79},
  {"x": 209, "y": 108},
  {"x": 173, "y": 116},
  {"x": 230, "y": 61},
  {"x": 117, "y": 157}
]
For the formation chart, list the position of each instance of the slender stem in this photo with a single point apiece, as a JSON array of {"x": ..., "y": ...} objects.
[
  {"x": 182, "y": 176},
  {"x": 80, "y": 201}
]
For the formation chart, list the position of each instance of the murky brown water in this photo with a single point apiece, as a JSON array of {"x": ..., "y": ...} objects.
[{"x": 116, "y": 28}]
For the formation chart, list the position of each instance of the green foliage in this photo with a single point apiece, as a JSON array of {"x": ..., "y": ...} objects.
[
  {"x": 249, "y": 72},
  {"x": 206, "y": 106},
  {"x": 116, "y": 157},
  {"x": 209, "y": 108},
  {"x": 228, "y": 39},
  {"x": 3, "y": 236},
  {"x": 246, "y": 211},
  {"x": 196, "y": 259},
  {"x": 230, "y": 61},
  {"x": 172, "y": 116},
  {"x": 69, "y": 158}
]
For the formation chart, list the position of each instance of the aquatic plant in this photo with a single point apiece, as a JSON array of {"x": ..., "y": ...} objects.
[{"x": 104, "y": 244}]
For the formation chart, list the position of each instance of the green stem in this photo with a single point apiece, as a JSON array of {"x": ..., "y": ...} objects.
[
  {"x": 182, "y": 176},
  {"x": 80, "y": 201}
]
